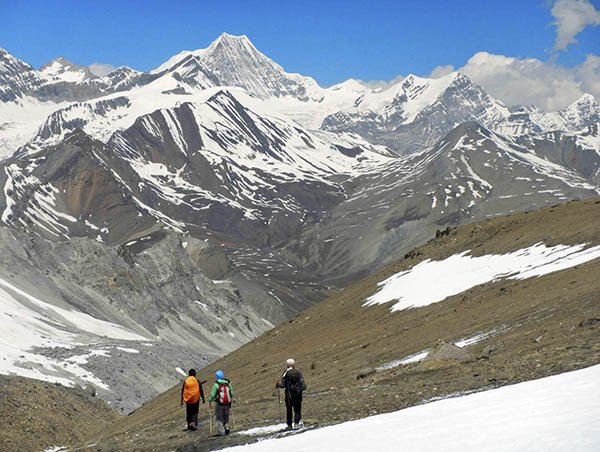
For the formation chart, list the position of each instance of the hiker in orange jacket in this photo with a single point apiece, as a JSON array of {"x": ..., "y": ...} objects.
[{"x": 191, "y": 393}]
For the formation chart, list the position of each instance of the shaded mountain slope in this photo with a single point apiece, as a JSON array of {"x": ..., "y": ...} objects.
[
  {"x": 535, "y": 327},
  {"x": 471, "y": 174}
]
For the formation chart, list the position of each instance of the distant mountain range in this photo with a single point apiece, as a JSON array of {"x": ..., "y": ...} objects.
[{"x": 218, "y": 194}]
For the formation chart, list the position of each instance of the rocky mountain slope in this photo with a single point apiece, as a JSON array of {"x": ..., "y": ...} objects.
[
  {"x": 79, "y": 312},
  {"x": 360, "y": 360},
  {"x": 472, "y": 173}
]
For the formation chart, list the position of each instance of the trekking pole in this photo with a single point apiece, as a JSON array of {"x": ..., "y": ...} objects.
[
  {"x": 232, "y": 420},
  {"x": 279, "y": 405},
  {"x": 210, "y": 420}
]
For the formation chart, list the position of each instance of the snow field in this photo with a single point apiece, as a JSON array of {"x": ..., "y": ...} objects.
[
  {"x": 27, "y": 322},
  {"x": 552, "y": 414}
]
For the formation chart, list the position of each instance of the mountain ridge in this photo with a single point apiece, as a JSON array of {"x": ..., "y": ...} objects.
[{"x": 234, "y": 61}]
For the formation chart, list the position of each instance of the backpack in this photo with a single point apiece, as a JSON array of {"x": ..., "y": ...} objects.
[
  {"x": 295, "y": 383},
  {"x": 223, "y": 397},
  {"x": 191, "y": 390}
]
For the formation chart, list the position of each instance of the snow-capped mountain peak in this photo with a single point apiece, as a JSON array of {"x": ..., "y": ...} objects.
[
  {"x": 349, "y": 85},
  {"x": 582, "y": 113},
  {"x": 62, "y": 70},
  {"x": 400, "y": 114},
  {"x": 9, "y": 62},
  {"x": 407, "y": 98},
  {"x": 582, "y": 110},
  {"x": 16, "y": 77},
  {"x": 226, "y": 40},
  {"x": 234, "y": 61}
]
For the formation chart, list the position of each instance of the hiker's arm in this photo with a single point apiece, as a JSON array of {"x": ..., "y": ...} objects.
[
  {"x": 182, "y": 388},
  {"x": 231, "y": 391},
  {"x": 201, "y": 391},
  {"x": 281, "y": 382},
  {"x": 213, "y": 393},
  {"x": 302, "y": 381}
]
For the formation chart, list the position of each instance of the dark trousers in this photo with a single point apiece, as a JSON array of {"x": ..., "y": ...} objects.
[
  {"x": 295, "y": 404},
  {"x": 191, "y": 412},
  {"x": 222, "y": 415}
]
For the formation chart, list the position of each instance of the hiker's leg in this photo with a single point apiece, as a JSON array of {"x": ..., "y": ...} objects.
[
  {"x": 226, "y": 409},
  {"x": 194, "y": 413},
  {"x": 288, "y": 408},
  {"x": 188, "y": 413},
  {"x": 220, "y": 419},
  {"x": 297, "y": 409}
]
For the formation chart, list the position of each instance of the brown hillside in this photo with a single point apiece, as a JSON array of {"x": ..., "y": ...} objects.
[
  {"x": 36, "y": 415},
  {"x": 551, "y": 325}
]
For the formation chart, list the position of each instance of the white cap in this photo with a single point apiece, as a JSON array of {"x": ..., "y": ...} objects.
[{"x": 290, "y": 362}]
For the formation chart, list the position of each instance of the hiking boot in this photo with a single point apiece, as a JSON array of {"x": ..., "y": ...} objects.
[
  {"x": 299, "y": 425},
  {"x": 289, "y": 427}
]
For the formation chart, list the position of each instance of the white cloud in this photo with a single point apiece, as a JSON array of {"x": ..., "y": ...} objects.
[
  {"x": 382, "y": 84},
  {"x": 589, "y": 74},
  {"x": 441, "y": 71},
  {"x": 547, "y": 85},
  {"x": 572, "y": 16},
  {"x": 101, "y": 69},
  {"x": 527, "y": 81}
]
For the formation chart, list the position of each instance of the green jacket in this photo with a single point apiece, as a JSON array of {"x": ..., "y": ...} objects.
[{"x": 215, "y": 389}]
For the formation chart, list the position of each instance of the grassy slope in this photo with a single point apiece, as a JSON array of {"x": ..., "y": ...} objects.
[
  {"x": 36, "y": 415},
  {"x": 334, "y": 340}
]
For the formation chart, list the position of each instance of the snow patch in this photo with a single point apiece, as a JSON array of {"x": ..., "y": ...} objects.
[
  {"x": 433, "y": 281},
  {"x": 257, "y": 431}
]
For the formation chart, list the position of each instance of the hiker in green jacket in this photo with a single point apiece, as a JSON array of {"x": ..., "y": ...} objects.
[{"x": 222, "y": 394}]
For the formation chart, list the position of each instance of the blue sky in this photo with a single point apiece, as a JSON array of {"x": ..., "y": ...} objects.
[{"x": 329, "y": 40}]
